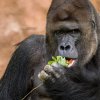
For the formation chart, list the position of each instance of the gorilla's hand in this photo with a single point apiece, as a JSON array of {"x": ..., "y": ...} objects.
[
  {"x": 64, "y": 83},
  {"x": 54, "y": 78}
]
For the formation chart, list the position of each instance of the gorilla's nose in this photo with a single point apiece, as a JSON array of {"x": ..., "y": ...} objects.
[
  {"x": 68, "y": 50},
  {"x": 65, "y": 47}
]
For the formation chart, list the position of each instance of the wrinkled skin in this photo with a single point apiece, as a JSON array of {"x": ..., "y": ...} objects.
[{"x": 72, "y": 32}]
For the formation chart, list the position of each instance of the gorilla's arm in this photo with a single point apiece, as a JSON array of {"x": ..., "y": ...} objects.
[{"x": 16, "y": 82}]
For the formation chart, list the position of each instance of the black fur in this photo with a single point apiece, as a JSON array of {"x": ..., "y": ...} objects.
[{"x": 81, "y": 81}]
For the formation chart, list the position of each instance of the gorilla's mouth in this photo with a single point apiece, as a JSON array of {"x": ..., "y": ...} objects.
[{"x": 71, "y": 62}]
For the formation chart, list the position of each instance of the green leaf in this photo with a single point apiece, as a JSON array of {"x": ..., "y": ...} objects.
[
  {"x": 54, "y": 58},
  {"x": 50, "y": 62},
  {"x": 59, "y": 59}
]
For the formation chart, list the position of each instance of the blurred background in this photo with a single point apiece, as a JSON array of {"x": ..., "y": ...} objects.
[{"x": 18, "y": 20}]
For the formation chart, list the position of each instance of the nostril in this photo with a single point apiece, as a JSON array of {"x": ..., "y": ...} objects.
[
  {"x": 67, "y": 47},
  {"x": 62, "y": 47}
]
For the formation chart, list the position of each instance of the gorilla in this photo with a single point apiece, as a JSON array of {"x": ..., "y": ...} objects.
[{"x": 72, "y": 31}]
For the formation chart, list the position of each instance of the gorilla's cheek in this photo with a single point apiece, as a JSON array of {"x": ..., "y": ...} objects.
[
  {"x": 87, "y": 49},
  {"x": 93, "y": 47}
]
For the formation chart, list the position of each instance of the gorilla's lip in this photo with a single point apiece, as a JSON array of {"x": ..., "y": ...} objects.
[
  {"x": 72, "y": 61},
  {"x": 72, "y": 64}
]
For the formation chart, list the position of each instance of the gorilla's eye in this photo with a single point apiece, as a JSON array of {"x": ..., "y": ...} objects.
[
  {"x": 73, "y": 32},
  {"x": 59, "y": 32},
  {"x": 93, "y": 24}
]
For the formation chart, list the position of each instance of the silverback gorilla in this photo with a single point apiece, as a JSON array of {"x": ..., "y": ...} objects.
[{"x": 73, "y": 32}]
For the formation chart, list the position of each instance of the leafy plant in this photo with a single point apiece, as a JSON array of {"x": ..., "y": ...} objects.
[{"x": 60, "y": 60}]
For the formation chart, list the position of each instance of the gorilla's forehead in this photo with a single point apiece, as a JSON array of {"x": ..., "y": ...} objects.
[
  {"x": 57, "y": 3},
  {"x": 69, "y": 15},
  {"x": 75, "y": 8},
  {"x": 79, "y": 3}
]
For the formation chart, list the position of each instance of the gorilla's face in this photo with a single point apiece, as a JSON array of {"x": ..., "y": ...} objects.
[{"x": 71, "y": 30}]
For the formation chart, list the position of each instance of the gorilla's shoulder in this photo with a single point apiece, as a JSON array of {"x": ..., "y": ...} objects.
[
  {"x": 33, "y": 44},
  {"x": 33, "y": 40}
]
